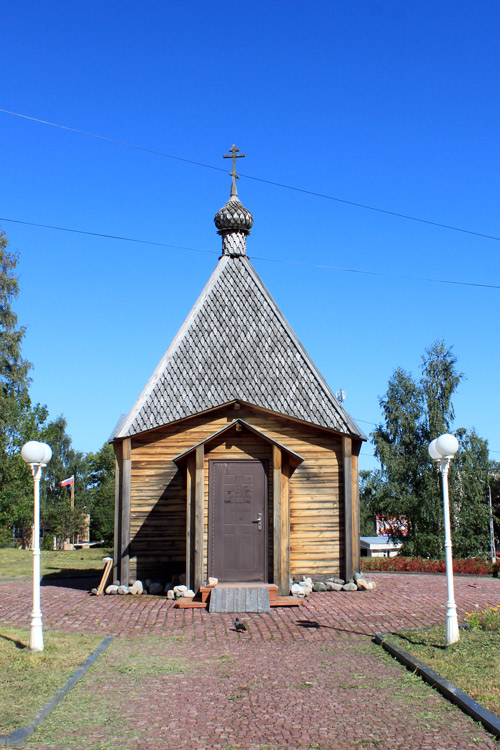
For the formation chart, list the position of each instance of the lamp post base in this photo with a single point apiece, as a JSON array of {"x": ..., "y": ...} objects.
[
  {"x": 452, "y": 632},
  {"x": 36, "y": 635}
]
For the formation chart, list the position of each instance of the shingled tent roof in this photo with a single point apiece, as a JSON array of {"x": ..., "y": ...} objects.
[{"x": 236, "y": 345}]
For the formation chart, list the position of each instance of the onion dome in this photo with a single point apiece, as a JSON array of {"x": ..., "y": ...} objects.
[
  {"x": 233, "y": 216},
  {"x": 234, "y": 221}
]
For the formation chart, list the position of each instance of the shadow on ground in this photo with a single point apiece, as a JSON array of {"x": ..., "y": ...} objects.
[{"x": 83, "y": 580}]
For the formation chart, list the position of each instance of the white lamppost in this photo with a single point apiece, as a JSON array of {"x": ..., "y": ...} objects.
[
  {"x": 37, "y": 455},
  {"x": 442, "y": 450}
]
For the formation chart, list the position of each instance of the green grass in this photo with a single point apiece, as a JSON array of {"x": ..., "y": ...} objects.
[
  {"x": 28, "y": 680},
  {"x": 18, "y": 563},
  {"x": 95, "y": 714},
  {"x": 472, "y": 664}
]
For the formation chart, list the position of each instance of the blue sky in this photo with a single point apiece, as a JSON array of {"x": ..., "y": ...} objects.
[{"x": 392, "y": 105}]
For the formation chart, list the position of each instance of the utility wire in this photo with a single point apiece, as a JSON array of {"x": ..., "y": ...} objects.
[
  {"x": 252, "y": 177},
  {"x": 108, "y": 236},
  {"x": 268, "y": 182},
  {"x": 213, "y": 252},
  {"x": 113, "y": 140},
  {"x": 254, "y": 257},
  {"x": 375, "y": 273}
]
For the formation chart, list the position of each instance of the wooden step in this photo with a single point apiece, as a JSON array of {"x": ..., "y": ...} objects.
[
  {"x": 286, "y": 601},
  {"x": 202, "y": 598}
]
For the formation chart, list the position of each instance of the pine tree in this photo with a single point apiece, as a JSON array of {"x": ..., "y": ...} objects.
[
  {"x": 17, "y": 419},
  {"x": 20, "y": 422}
]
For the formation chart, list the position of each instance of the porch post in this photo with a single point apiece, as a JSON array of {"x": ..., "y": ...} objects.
[
  {"x": 356, "y": 552},
  {"x": 281, "y": 523},
  {"x": 284, "y": 584},
  {"x": 277, "y": 516},
  {"x": 125, "y": 520},
  {"x": 190, "y": 486},
  {"x": 348, "y": 505},
  {"x": 118, "y": 510},
  {"x": 199, "y": 507}
]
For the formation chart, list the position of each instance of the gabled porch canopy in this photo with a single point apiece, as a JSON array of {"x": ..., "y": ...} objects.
[
  {"x": 284, "y": 463},
  {"x": 294, "y": 458}
]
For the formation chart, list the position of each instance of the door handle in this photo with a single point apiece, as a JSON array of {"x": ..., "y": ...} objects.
[{"x": 258, "y": 521}]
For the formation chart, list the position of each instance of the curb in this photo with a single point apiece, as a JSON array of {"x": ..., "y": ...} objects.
[
  {"x": 17, "y": 738},
  {"x": 467, "y": 704}
]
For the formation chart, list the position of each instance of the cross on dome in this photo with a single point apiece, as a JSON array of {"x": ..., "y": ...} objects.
[{"x": 233, "y": 154}]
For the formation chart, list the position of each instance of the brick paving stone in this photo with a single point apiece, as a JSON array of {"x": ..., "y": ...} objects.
[
  {"x": 303, "y": 678},
  {"x": 399, "y": 601},
  {"x": 345, "y": 694}
]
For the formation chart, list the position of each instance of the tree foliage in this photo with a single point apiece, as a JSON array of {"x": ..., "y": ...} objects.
[
  {"x": 469, "y": 503},
  {"x": 407, "y": 482},
  {"x": 20, "y": 421},
  {"x": 58, "y": 518},
  {"x": 17, "y": 419},
  {"x": 101, "y": 492}
]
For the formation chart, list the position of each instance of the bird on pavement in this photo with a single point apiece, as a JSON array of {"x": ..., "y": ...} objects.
[{"x": 239, "y": 625}]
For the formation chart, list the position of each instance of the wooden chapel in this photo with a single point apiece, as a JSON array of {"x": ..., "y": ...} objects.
[{"x": 237, "y": 460}]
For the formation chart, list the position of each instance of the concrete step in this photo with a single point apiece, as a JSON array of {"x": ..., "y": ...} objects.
[{"x": 239, "y": 599}]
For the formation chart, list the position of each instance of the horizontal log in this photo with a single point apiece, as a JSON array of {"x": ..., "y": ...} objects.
[{"x": 315, "y": 487}]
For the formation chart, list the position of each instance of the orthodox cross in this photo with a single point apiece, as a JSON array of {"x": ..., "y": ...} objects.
[{"x": 234, "y": 155}]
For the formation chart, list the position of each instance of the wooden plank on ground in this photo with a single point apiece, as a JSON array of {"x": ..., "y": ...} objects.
[{"x": 105, "y": 575}]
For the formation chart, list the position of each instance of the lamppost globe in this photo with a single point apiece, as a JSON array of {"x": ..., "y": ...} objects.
[
  {"x": 33, "y": 452},
  {"x": 433, "y": 452},
  {"x": 446, "y": 445},
  {"x": 47, "y": 453}
]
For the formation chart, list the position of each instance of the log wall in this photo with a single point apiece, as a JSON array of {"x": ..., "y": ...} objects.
[{"x": 158, "y": 491}]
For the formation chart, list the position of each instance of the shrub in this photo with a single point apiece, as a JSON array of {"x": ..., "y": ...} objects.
[
  {"x": 48, "y": 541},
  {"x": 484, "y": 619}
]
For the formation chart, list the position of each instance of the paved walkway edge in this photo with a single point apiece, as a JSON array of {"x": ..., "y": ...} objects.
[
  {"x": 20, "y": 736},
  {"x": 468, "y": 705}
]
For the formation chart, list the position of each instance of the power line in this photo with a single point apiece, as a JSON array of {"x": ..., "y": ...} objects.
[
  {"x": 213, "y": 252},
  {"x": 108, "y": 236},
  {"x": 114, "y": 140},
  {"x": 365, "y": 206},
  {"x": 255, "y": 257},
  {"x": 373, "y": 208}
]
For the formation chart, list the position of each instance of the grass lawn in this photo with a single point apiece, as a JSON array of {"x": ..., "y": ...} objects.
[
  {"x": 28, "y": 680},
  {"x": 472, "y": 664},
  {"x": 18, "y": 563}
]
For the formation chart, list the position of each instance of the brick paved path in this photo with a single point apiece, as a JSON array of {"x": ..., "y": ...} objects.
[
  {"x": 399, "y": 601},
  {"x": 284, "y": 684}
]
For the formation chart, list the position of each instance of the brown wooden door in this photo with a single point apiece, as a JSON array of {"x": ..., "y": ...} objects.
[{"x": 238, "y": 520}]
